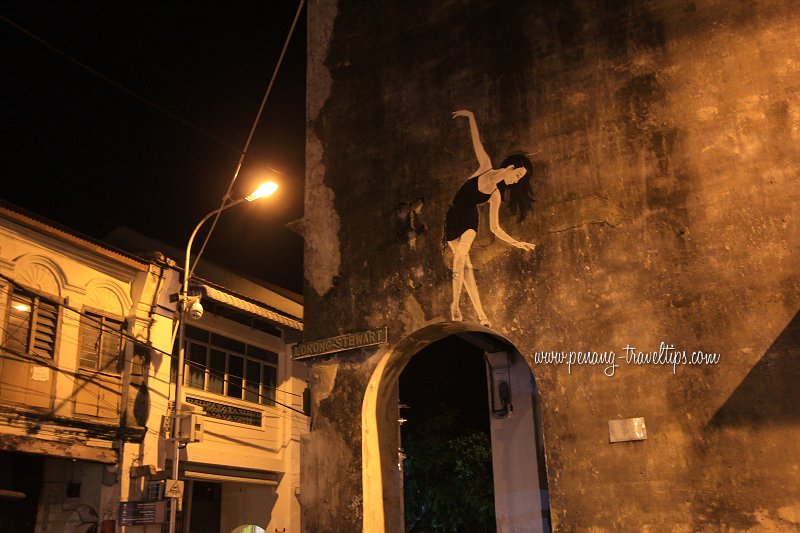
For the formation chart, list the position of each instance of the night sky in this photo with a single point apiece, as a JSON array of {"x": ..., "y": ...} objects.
[
  {"x": 452, "y": 372},
  {"x": 91, "y": 157}
]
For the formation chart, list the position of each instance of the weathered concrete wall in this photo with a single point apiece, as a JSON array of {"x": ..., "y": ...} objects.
[
  {"x": 665, "y": 142},
  {"x": 330, "y": 466}
]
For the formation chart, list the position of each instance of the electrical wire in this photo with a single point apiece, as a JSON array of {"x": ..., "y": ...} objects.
[
  {"x": 72, "y": 375},
  {"x": 227, "y": 197},
  {"x": 87, "y": 316},
  {"x": 146, "y": 101},
  {"x": 130, "y": 337},
  {"x": 51, "y": 364},
  {"x": 187, "y": 124},
  {"x": 226, "y": 380},
  {"x": 263, "y": 400}
]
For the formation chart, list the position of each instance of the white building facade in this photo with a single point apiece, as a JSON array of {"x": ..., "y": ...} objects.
[{"x": 85, "y": 355}]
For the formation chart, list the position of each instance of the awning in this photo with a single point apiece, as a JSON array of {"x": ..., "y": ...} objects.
[
  {"x": 202, "y": 476},
  {"x": 222, "y": 473},
  {"x": 238, "y": 303}
]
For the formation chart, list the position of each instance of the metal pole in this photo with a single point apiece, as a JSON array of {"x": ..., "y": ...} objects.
[
  {"x": 173, "y": 509},
  {"x": 183, "y": 308}
]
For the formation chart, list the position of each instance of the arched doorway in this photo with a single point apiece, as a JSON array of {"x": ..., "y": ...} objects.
[
  {"x": 445, "y": 439},
  {"x": 518, "y": 465}
]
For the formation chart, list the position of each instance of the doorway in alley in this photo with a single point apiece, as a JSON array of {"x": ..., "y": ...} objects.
[
  {"x": 451, "y": 438},
  {"x": 205, "y": 507}
]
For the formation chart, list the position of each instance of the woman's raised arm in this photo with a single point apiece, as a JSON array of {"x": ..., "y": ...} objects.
[{"x": 484, "y": 162}]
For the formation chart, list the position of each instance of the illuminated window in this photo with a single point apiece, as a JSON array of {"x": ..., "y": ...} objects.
[
  {"x": 100, "y": 343},
  {"x": 229, "y": 367},
  {"x": 32, "y": 324}
]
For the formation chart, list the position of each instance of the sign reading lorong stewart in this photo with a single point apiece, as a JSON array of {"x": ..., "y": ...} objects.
[{"x": 348, "y": 341}]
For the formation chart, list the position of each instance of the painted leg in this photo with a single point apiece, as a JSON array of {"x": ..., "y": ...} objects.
[
  {"x": 472, "y": 291},
  {"x": 460, "y": 250},
  {"x": 458, "y": 282}
]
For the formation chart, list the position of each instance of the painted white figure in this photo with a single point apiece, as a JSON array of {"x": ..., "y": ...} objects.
[{"x": 511, "y": 184}]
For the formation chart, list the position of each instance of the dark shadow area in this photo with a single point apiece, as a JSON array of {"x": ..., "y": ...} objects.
[
  {"x": 447, "y": 471},
  {"x": 141, "y": 402},
  {"x": 20, "y": 484},
  {"x": 769, "y": 394}
]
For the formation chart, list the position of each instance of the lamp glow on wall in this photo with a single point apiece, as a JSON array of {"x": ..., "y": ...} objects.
[{"x": 190, "y": 306}]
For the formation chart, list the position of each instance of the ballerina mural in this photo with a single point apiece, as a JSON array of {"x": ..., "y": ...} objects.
[{"x": 510, "y": 183}]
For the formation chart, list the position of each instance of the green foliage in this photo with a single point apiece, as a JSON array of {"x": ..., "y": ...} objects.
[{"x": 448, "y": 485}]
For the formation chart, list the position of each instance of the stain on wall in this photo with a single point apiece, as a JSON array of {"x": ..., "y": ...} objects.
[
  {"x": 666, "y": 138},
  {"x": 331, "y": 466}
]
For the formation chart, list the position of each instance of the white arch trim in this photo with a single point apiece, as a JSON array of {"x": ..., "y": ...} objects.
[
  {"x": 99, "y": 291},
  {"x": 376, "y": 400},
  {"x": 41, "y": 273}
]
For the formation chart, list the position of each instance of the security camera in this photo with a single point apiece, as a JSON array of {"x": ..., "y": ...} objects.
[{"x": 196, "y": 310}]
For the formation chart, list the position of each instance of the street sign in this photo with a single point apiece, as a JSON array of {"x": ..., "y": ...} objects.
[
  {"x": 349, "y": 341},
  {"x": 141, "y": 513},
  {"x": 174, "y": 489}
]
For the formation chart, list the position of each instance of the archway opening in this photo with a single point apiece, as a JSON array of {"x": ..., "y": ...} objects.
[
  {"x": 520, "y": 485},
  {"x": 445, "y": 440}
]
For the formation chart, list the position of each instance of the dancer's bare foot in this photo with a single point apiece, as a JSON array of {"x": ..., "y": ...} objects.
[
  {"x": 455, "y": 313},
  {"x": 484, "y": 321}
]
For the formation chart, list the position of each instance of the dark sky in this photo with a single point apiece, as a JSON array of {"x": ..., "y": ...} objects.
[
  {"x": 87, "y": 155},
  {"x": 452, "y": 372}
]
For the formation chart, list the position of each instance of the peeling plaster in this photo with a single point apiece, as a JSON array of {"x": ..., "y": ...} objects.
[
  {"x": 581, "y": 212},
  {"x": 412, "y": 316},
  {"x": 320, "y": 21},
  {"x": 667, "y": 172},
  {"x": 324, "y": 376},
  {"x": 320, "y": 225}
]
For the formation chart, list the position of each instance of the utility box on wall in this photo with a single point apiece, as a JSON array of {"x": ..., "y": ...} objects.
[{"x": 191, "y": 427}]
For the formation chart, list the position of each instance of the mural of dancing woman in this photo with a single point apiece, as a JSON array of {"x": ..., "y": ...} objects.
[{"x": 510, "y": 183}]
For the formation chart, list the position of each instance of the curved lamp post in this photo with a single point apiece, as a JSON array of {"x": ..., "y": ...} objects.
[{"x": 185, "y": 304}]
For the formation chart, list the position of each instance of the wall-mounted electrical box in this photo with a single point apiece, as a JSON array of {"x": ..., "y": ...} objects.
[{"x": 191, "y": 427}]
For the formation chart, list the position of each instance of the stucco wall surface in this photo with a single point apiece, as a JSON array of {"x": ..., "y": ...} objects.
[{"x": 665, "y": 140}]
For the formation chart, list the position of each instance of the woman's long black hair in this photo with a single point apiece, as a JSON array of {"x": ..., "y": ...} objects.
[{"x": 519, "y": 195}]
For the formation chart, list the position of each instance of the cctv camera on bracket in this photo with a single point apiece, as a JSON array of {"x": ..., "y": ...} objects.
[{"x": 196, "y": 310}]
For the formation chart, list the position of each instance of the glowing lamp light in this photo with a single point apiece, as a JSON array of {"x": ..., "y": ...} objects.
[
  {"x": 23, "y": 308},
  {"x": 265, "y": 189}
]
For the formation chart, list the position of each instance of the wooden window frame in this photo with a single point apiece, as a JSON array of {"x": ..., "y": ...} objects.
[
  {"x": 95, "y": 316},
  {"x": 34, "y": 324},
  {"x": 265, "y": 394}
]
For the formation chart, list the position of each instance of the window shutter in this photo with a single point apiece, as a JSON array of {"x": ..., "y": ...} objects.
[
  {"x": 32, "y": 325},
  {"x": 19, "y": 322},
  {"x": 100, "y": 342},
  {"x": 89, "y": 340},
  {"x": 111, "y": 346},
  {"x": 44, "y": 341}
]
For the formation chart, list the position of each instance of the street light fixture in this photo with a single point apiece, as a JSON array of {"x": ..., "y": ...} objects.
[{"x": 188, "y": 305}]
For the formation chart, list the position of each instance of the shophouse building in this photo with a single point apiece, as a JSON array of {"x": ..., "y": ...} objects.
[{"x": 85, "y": 391}]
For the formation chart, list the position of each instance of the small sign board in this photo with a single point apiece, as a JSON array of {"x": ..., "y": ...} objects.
[
  {"x": 142, "y": 513},
  {"x": 173, "y": 489},
  {"x": 627, "y": 429},
  {"x": 341, "y": 343},
  {"x": 40, "y": 373}
]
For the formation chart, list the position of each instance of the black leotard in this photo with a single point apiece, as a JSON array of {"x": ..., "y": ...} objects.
[{"x": 463, "y": 212}]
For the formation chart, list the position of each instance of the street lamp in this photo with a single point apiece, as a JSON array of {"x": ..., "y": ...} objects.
[{"x": 189, "y": 305}]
